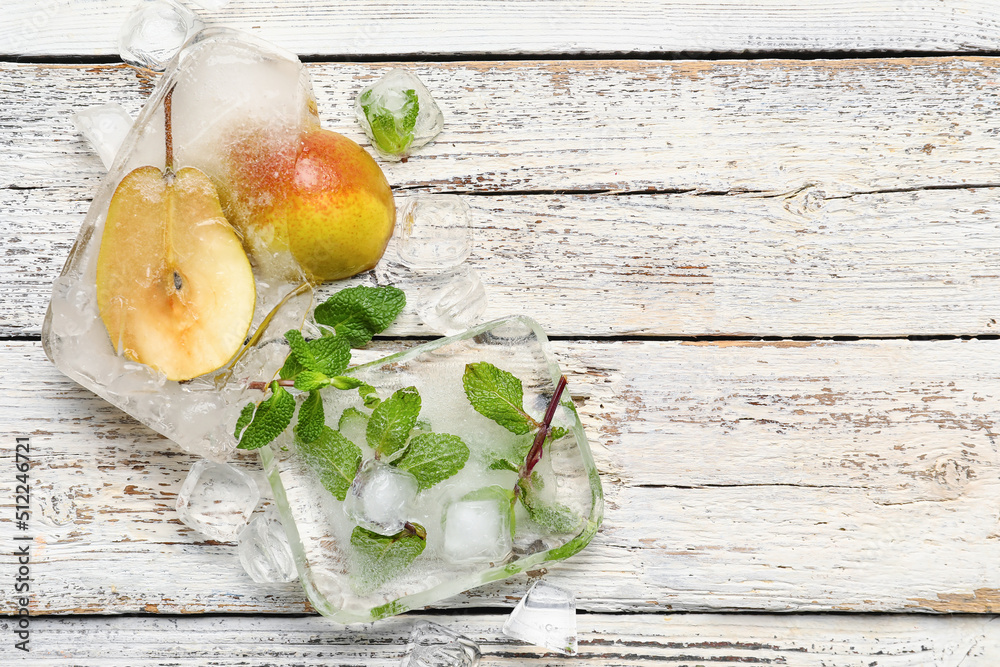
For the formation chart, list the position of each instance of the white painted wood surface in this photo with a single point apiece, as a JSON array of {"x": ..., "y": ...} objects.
[
  {"x": 605, "y": 640},
  {"x": 772, "y": 232},
  {"x": 370, "y": 28}
]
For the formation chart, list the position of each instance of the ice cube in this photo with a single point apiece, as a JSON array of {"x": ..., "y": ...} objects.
[
  {"x": 264, "y": 551},
  {"x": 433, "y": 645},
  {"x": 105, "y": 128},
  {"x": 478, "y": 530},
  {"x": 434, "y": 232},
  {"x": 154, "y": 32},
  {"x": 380, "y": 497},
  {"x": 546, "y": 617},
  {"x": 452, "y": 301},
  {"x": 217, "y": 499},
  {"x": 398, "y": 114}
]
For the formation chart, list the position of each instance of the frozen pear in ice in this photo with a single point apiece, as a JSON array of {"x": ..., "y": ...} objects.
[
  {"x": 174, "y": 285},
  {"x": 326, "y": 203}
]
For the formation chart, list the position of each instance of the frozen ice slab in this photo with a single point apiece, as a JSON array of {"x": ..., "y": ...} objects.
[
  {"x": 457, "y": 454},
  {"x": 154, "y": 32},
  {"x": 217, "y": 499},
  {"x": 546, "y": 617},
  {"x": 105, "y": 128},
  {"x": 380, "y": 497},
  {"x": 264, "y": 551},
  {"x": 227, "y": 89},
  {"x": 434, "y": 232},
  {"x": 433, "y": 645},
  {"x": 398, "y": 114}
]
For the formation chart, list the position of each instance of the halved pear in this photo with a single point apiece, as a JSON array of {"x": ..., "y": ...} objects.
[{"x": 174, "y": 285}]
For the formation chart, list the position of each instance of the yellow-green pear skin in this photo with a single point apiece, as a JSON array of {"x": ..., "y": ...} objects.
[
  {"x": 174, "y": 285},
  {"x": 330, "y": 206}
]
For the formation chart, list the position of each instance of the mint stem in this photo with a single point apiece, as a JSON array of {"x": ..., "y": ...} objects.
[
  {"x": 264, "y": 385},
  {"x": 535, "y": 453},
  {"x": 415, "y": 529}
]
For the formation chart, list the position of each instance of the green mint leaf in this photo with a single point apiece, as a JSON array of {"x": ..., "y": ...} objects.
[
  {"x": 246, "y": 415},
  {"x": 310, "y": 417},
  {"x": 558, "y": 432},
  {"x": 329, "y": 355},
  {"x": 392, "y": 420},
  {"x": 291, "y": 368},
  {"x": 352, "y": 425},
  {"x": 503, "y": 464},
  {"x": 345, "y": 382},
  {"x": 335, "y": 458},
  {"x": 555, "y": 517},
  {"x": 358, "y": 313},
  {"x": 410, "y": 110},
  {"x": 497, "y": 394},
  {"x": 434, "y": 457},
  {"x": 389, "y": 128},
  {"x": 271, "y": 418},
  {"x": 311, "y": 380},
  {"x": 369, "y": 396},
  {"x": 380, "y": 558}
]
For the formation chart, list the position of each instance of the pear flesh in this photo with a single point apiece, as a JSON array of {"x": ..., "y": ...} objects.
[{"x": 174, "y": 286}]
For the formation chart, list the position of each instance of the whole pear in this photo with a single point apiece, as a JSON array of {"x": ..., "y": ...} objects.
[{"x": 326, "y": 202}]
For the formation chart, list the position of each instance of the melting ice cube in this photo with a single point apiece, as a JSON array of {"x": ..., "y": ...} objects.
[
  {"x": 380, "y": 497},
  {"x": 217, "y": 499},
  {"x": 434, "y": 232},
  {"x": 105, "y": 128},
  {"x": 478, "y": 530},
  {"x": 398, "y": 114},
  {"x": 264, "y": 551},
  {"x": 546, "y": 617},
  {"x": 451, "y": 301},
  {"x": 433, "y": 645},
  {"x": 154, "y": 32}
]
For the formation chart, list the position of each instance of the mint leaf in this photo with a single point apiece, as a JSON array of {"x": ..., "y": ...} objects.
[
  {"x": 558, "y": 432},
  {"x": 381, "y": 558},
  {"x": 346, "y": 382},
  {"x": 310, "y": 417},
  {"x": 329, "y": 355},
  {"x": 410, "y": 110},
  {"x": 311, "y": 380},
  {"x": 503, "y": 464},
  {"x": 352, "y": 424},
  {"x": 369, "y": 396},
  {"x": 434, "y": 457},
  {"x": 291, "y": 368},
  {"x": 392, "y": 131},
  {"x": 335, "y": 458},
  {"x": 497, "y": 394},
  {"x": 392, "y": 420},
  {"x": 246, "y": 415},
  {"x": 271, "y": 418},
  {"x": 358, "y": 313}
]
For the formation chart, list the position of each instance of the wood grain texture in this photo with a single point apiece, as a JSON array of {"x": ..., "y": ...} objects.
[
  {"x": 739, "y": 476},
  {"x": 812, "y": 198},
  {"x": 90, "y": 27},
  {"x": 604, "y": 640}
]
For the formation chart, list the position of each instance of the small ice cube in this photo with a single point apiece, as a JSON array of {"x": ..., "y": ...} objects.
[
  {"x": 217, "y": 499},
  {"x": 546, "y": 617},
  {"x": 398, "y": 114},
  {"x": 433, "y": 645},
  {"x": 452, "y": 301},
  {"x": 105, "y": 128},
  {"x": 477, "y": 531},
  {"x": 434, "y": 232},
  {"x": 264, "y": 551},
  {"x": 380, "y": 497},
  {"x": 154, "y": 32}
]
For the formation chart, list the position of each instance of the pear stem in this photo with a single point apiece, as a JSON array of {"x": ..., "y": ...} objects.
[{"x": 168, "y": 130}]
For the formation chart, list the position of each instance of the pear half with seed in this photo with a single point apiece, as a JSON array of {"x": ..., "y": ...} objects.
[{"x": 174, "y": 285}]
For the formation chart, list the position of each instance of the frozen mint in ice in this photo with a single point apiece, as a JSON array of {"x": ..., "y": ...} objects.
[
  {"x": 497, "y": 395},
  {"x": 433, "y": 458},
  {"x": 381, "y": 497},
  {"x": 546, "y": 617},
  {"x": 334, "y": 458},
  {"x": 398, "y": 114},
  {"x": 377, "y": 558},
  {"x": 433, "y": 645},
  {"x": 392, "y": 420}
]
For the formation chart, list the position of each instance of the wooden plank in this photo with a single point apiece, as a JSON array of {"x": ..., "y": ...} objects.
[
  {"x": 750, "y": 476},
  {"x": 61, "y": 27},
  {"x": 793, "y": 250},
  {"x": 605, "y": 640}
]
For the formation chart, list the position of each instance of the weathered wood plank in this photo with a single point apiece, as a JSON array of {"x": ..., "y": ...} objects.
[
  {"x": 795, "y": 254},
  {"x": 605, "y": 640},
  {"x": 751, "y": 476},
  {"x": 61, "y": 27}
]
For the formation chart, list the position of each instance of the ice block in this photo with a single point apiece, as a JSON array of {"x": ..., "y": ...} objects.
[{"x": 477, "y": 476}]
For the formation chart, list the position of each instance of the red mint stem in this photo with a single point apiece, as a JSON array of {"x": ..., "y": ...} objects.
[
  {"x": 262, "y": 386},
  {"x": 535, "y": 453}
]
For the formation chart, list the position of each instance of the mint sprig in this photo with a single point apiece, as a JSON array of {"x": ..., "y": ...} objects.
[
  {"x": 498, "y": 395},
  {"x": 380, "y": 558},
  {"x": 357, "y": 313}
]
